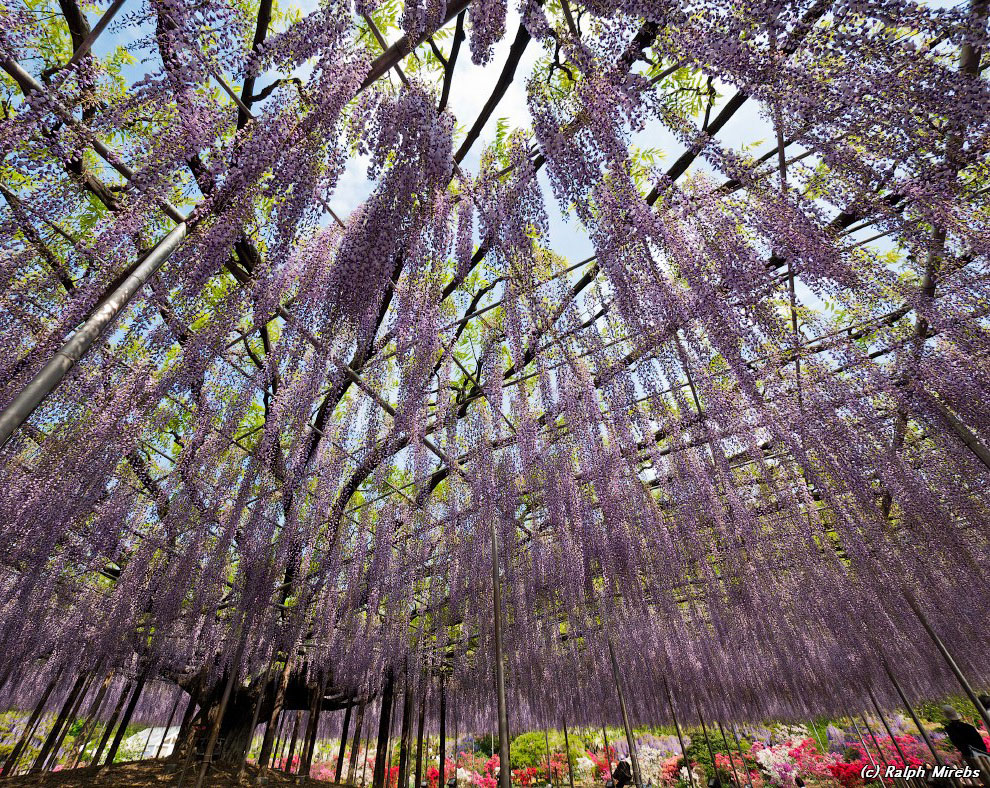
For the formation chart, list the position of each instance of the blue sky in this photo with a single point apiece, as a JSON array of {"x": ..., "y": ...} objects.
[{"x": 470, "y": 89}]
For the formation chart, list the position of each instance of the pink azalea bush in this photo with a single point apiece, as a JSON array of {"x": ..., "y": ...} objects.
[{"x": 770, "y": 758}]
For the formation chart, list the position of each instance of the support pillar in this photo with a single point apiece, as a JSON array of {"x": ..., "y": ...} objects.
[
  {"x": 708, "y": 742},
  {"x": 125, "y": 721},
  {"x": 504, "y": 758},
  {"x": 953, "y": 666},
  {"x": 356, "y": 745},
  {"x": 546, "y": 741},
  {"x": 60, "y": 721},
  {"x": 171, "y": 716},
  {"x": 890, "y": 733},
  {"x": 630, "y": 738},
  {"x": 567, "y": 751},
  {"x": 742, "y": 759},
  {"x": 441, "y": 781},
  {"x": 110, "y": 724},
  {"x": 728, "y": 750},
  {"x": 608, "y": 758},
  {"x": 419, "y": 740},
  {"x": 677, "y": 727},
  {"x": 11, "y": 763},
  {"x": 405, "y": 734},
  {"x": 910, "y": 710},
  {"x": 343, "y": 743},
  {"x": 384, "y": 728}
]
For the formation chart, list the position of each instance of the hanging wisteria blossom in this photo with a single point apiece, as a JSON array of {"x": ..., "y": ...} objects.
[{"x": 511, "y": 352}]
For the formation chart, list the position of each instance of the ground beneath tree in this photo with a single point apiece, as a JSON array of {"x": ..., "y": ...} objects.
[{"x": 154, "y": 772}]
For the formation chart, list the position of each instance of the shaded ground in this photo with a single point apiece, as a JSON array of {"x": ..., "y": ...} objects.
[{"x": 153, "y": 773}]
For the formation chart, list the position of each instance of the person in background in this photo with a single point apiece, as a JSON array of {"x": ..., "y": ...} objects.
[
  {"x": 622, "y": 774},
  {"x": 964, "y": 737},
  {"x": 984, "y": 700}
]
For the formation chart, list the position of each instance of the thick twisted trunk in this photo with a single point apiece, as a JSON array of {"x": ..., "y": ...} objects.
[{"x": 239, "y": 719}]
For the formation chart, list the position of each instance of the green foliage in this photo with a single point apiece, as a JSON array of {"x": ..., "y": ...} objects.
[
  {"x": 819, "y": 732},
  {"x": 697, "y": 752},
  {"x": 932, "y": 709},
  {"x": 488, "y": 744},
  {"x": 643, "y": 163},
  {"x": 530, "y": 749},
  {"x": 76, "y": 727}
]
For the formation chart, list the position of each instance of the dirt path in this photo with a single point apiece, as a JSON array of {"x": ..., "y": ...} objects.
[{"x": 153, "y": 773}]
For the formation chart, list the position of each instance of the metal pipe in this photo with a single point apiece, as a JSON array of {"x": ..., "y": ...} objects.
[
  {"x": 343, "y": 743},
  {"x": 43, "y": 383},
  {"x": 728, "y": 751},
  {"x": 890, "y": 733},
  {"x": 708, "y": 742},
  {"x": 677, "y": 727},
  {"x": 749, "y": 777},
  {"x": 630, "y": 739},
  {"x": 910, "y": 710},
  {"x": 171, "y": 716},
  {"x": 960, "y": 677},
  {"x": 88, "y": 41},
  {"x": 505, "y": 765},
  {"x": 567, "y": 751}
]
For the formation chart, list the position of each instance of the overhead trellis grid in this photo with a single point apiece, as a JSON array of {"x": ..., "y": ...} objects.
[{"x": 502, "y": 349}]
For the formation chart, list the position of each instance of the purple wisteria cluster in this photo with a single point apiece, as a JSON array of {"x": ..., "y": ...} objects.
[{"x": 737, "y": 446}]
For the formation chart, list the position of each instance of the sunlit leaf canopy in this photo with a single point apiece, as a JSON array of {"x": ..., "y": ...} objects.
[{"x": 686, "y": 300}]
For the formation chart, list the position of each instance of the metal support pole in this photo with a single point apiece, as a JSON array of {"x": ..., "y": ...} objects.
[
  {"x": 391, "y": 742},
  {"x": 728, "y": 751},
  {"x": 380, "y": 774},
  {"x": 73, "y": 715},
  {"x": 505, "y": 764},
  {"x": 749, "y": 778},
  {"x": 890, "y": 733},
  {"x": 50, "y": 375},
  {"x": 967, "y": 688},
  {"x": 287, "y": 764},
  {"x": 343, "y": 743},
  {"x": 211, "y": 743},
  {"x": 61, "y": 720},
  {"x": 11, "y": 763},
  {"x": 364, "y": 764},
  {"x": 876, "y": 743},
  {"x": 546, "y": 741},
  {"x": 443, "y": 733},
  {"x": 677, "y": 727},
  {"x": 255, "y": 715},
  {"x": 708, "y": 742},
  {"x": 88, "y": 727},
  {"x": 356, "y": 745},
  {"x": 818, "y": 739},
  {"x": 630, "y": 738},
  {"x": 910, "y": 710},
  {"x": 456, "y": 708},
  {"x": 279, "y": 733},
  {"x": 171, "y": 716},
  {"x": 313, "y": 728},
  {"x": 126, "y": 719},
  {"x": 608, "y": 758},
  {"x": 405, "y": 734},
  {"x": 419, "y": 740},
  {"x": 567, "y": 750},
  {"x": 861, "y": 739},
  {"x": 110, "y": 724}
]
